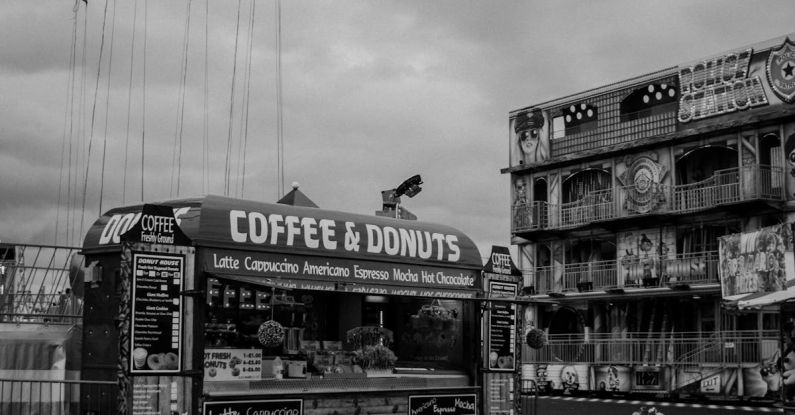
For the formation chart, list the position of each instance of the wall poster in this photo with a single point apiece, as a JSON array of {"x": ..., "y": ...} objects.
[{"x": 756, "y": 262}]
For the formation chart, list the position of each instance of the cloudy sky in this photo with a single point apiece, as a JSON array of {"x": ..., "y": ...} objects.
[{"x": 373, "y": 92}]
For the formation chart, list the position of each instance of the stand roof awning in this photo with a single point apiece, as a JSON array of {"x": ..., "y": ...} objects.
[
  {"x": 276, "y": 242},
  {"x": 757, "y": 301}
]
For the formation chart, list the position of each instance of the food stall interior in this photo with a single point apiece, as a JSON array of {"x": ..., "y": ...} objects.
[{"x": 404, "y": 341}]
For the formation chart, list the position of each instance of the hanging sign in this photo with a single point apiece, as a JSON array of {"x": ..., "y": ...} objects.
[
  {"x": 500, "y": 265},
  {"x": 155, "y": 331},
  {"x": 157, "y": 225},
  {"x": 502, "y": 328}
]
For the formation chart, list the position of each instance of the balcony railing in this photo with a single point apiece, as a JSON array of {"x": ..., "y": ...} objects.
[
  {"x": 693, "y": 268},
  {"x": 593, "y": 207},
  {"x": 728, "y": 186},
  {"x": 587, "y": 276},
  {"x": 657, "y": 348}
]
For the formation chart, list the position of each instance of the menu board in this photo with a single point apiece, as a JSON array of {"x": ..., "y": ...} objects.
[
  {"x": 502, "y": 328},
  {"x": 443, "y": 404},
  {"x": 499, "y": 393},
  {"x": 232, "y": 364},
  {"x": 283, "y": 406},
  {"x": 155, "y": 333}
]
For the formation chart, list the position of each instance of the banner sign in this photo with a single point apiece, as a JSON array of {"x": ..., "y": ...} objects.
[
  {"x": 241, "y": 224},
  {"x": 341, "y": 270},
  {"x": 443, "y": 404},
  {"x": 756, "y": 262},
  {"x": 155, "y": 331},
  {"x": 280, "y": 407},
  {"x": 502, "y": 328}
]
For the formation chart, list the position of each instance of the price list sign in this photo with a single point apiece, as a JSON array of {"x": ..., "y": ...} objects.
[
  {"x": 232, "y": 364},
  {"x": 156, "y": 333},
  {"x": 502, "y": 328}
]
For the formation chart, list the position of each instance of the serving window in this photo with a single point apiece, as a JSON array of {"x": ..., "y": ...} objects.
[{"x": 333, "y": 335}]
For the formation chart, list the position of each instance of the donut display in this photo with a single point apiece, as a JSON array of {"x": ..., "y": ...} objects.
[
  {"x": 163, "y": 361},
  {"x": 155, "y": 361},
  {"x": 171, "y": 361}
]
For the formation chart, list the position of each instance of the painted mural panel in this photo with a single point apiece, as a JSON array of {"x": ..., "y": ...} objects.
[
  {"x": 522, "y": 216},
  {"x": 556, "y": 377},
  {"x": 756, "y": 262},
  {"x": 612, "y": 378},
  {"x": 645, "y": 256},
  {"x": 643, "y": 179},
  {"x": 789, "y": 154},
  {"x": 529, "y": 137},
  {"x": 788, "y": 356}
]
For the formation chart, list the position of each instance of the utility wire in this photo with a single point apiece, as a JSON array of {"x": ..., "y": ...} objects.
[
  {"x": 177, "y": 151},
  {"x": 129, "y": 104},
  {"x": 93, "y": 118},
  {"x": 143, "y": 86},
  {"x": 227, "y": 169},
  {"x": 68, "y": 108},
  {"x": 247, "y": 96},
  {"x": 107, "y": 107},
  {"x": 205, "y": 127},
  {"x": 279, "y": 111}
]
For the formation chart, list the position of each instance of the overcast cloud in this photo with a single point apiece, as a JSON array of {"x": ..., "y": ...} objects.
[{"x": 373, "y": 93}]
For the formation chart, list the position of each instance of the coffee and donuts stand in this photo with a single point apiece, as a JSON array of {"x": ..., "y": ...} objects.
[{"x": 216, "y": 305}]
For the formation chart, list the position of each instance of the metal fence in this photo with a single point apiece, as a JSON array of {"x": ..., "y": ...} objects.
[
  {"x": 724, "y": 348},
  {"x": 57, "y": 397},
  {"x": 35, "y": 285}
]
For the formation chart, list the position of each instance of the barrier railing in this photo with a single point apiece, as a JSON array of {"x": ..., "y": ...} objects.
[
  {"x": 727, "y": 348},
  {"x": 35, "y": 284},
  {"x": 57, "y": 397},
  {"x": 727, "y": 186}
]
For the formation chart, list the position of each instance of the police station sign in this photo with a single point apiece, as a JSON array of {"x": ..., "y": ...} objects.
[{"x": 719, "y": 86}]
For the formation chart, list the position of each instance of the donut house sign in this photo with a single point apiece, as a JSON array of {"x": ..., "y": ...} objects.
[{"x": 156, "y": 326}]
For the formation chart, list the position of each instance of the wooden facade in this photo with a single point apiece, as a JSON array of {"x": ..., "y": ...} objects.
[{"x": 620, "y": 197}]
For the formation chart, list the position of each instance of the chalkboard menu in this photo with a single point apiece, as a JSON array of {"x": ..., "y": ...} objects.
[
  {"x": 155, "y": 332},
  {"x": 502, "y": 327},
  {"x": 282, "y": 407},
  {"x": 443, "y": 404}
]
